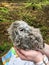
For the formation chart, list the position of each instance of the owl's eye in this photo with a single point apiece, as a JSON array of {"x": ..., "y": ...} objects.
[{"x": 21, "y": 29}]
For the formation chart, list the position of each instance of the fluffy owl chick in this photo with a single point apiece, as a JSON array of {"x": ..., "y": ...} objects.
[{"x": 25, "y": 37}]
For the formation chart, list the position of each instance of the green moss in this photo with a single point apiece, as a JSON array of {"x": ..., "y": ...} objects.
[{"x": 4, "y": 9}]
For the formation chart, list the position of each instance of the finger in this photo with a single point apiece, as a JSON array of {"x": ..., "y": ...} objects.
[
  {"x": 25, "y": 53},
  {"x": 21, "y": 55},
  {"x": 41, "y": 51},
  {"x": 28, "y": 53}
]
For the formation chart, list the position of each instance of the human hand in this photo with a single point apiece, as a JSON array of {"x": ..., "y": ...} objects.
[
  {"x": 30, "y": 55},
  {"x": 45, "y": 50}
]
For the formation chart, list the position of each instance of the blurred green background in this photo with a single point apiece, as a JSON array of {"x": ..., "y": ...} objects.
[{"x": 34, "y": 12}]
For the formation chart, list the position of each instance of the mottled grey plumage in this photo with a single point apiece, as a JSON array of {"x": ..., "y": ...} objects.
[{"x": 24, "y": 36}]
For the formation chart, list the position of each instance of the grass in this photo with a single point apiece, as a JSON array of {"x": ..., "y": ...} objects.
[
  {"x": 6, "y": 46},
  {"x": 4, "y": 9}
]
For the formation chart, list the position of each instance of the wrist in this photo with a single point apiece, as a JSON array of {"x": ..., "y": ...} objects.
[
  {"x": 40, "y": 58},
  {"x": 40, "y": 63},
  {"x": 44, "y": 61},
  {"x": 46, "y": 49}
]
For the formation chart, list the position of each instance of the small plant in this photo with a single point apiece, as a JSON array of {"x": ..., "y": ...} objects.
[{"x": 4, "y": 9}]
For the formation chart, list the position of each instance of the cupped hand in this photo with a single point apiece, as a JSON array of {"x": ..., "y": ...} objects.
[{"x": 30, "y": 55}]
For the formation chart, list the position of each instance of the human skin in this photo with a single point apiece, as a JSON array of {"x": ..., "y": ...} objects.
[
  {"x": 32, "y": 55},
  {"x": 46, "y": 50}
]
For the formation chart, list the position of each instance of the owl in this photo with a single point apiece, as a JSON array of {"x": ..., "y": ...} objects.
[{"x": 24, "y": 36}]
